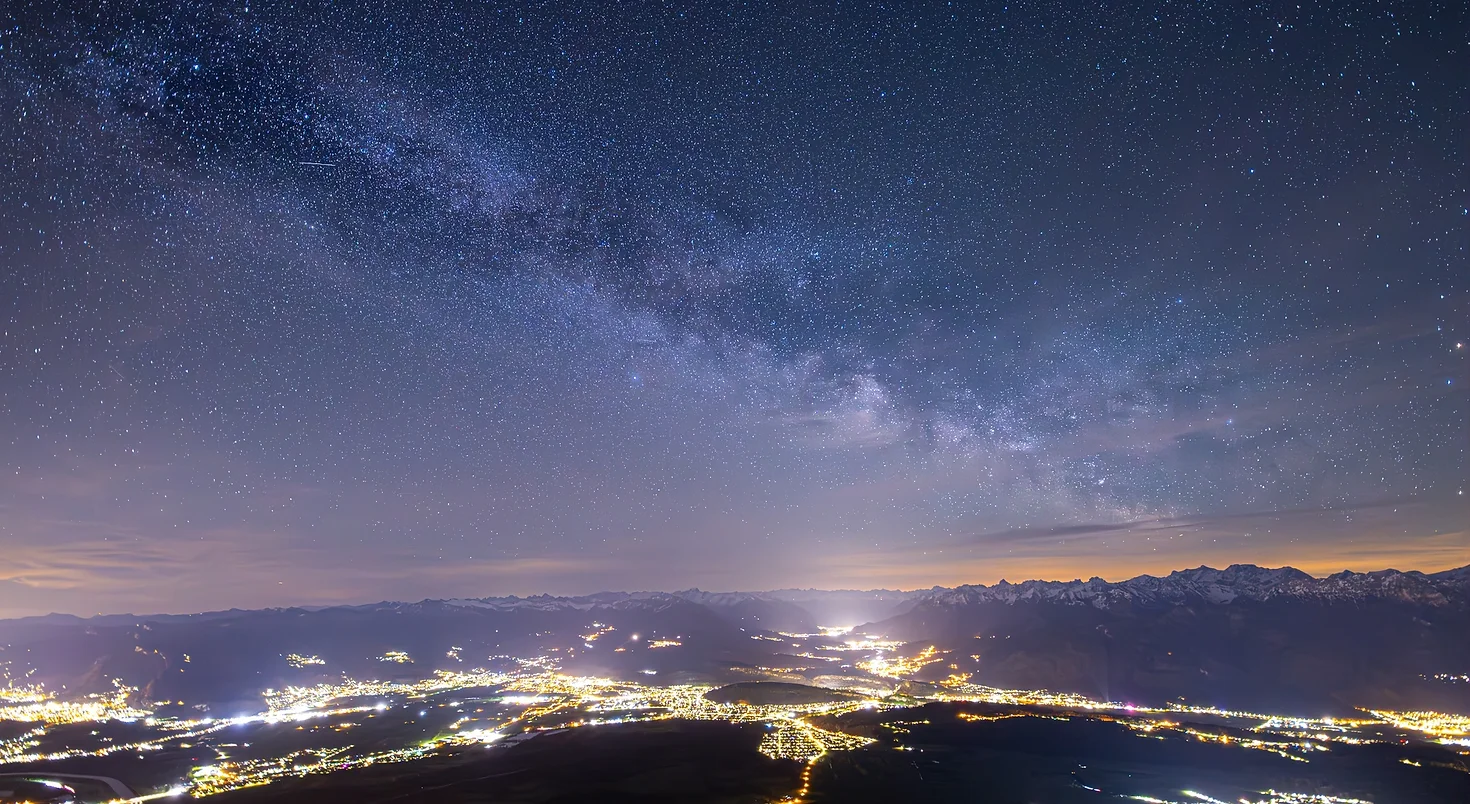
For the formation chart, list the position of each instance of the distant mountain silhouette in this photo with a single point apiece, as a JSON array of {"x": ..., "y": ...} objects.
[{"x": 1240, "y": 637}]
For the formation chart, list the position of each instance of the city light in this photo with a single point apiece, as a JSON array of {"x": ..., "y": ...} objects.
[
  {"x": 535, "y": 696},
  {"x": 299, "y": 661}
]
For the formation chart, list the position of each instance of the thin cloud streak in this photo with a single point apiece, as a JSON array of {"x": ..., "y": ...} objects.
[{"x": 227, "y": 571}]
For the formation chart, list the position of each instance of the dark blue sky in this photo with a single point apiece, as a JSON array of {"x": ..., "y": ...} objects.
[{"x": 308, "y": 302}]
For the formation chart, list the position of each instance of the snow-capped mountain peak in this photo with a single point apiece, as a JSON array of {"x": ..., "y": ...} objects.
[{"x": 1217, "y": 586}]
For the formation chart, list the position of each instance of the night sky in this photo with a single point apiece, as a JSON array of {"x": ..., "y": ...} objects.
[{"x": 306, "y": 303}]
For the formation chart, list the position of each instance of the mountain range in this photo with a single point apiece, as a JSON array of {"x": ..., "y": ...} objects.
[{"x": 1243, "y": 636}]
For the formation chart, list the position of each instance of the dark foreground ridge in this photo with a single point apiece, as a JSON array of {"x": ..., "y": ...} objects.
[{"x": 668, "y": 762}]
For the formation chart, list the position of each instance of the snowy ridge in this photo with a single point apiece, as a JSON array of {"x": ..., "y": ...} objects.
[
  {"x": 1201, "y": 584},
  {"x": 1210, "y": 585},
  {"x": 1198, "y": 585}
]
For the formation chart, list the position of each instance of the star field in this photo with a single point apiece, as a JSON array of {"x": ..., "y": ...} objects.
[{"x": 304, "y": 302}]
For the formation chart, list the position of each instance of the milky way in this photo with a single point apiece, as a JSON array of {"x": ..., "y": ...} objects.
[{"x": 306, "y": 302}]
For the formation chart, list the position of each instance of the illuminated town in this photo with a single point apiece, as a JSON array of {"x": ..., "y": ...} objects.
[{"x": 534, "y": 696}]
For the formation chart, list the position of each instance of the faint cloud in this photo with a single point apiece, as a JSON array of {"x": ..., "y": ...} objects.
[
  {"x": 862, "y": 414},
  {"x": 1426, "y": 535},
  {"x": 249, "y": 569}
]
